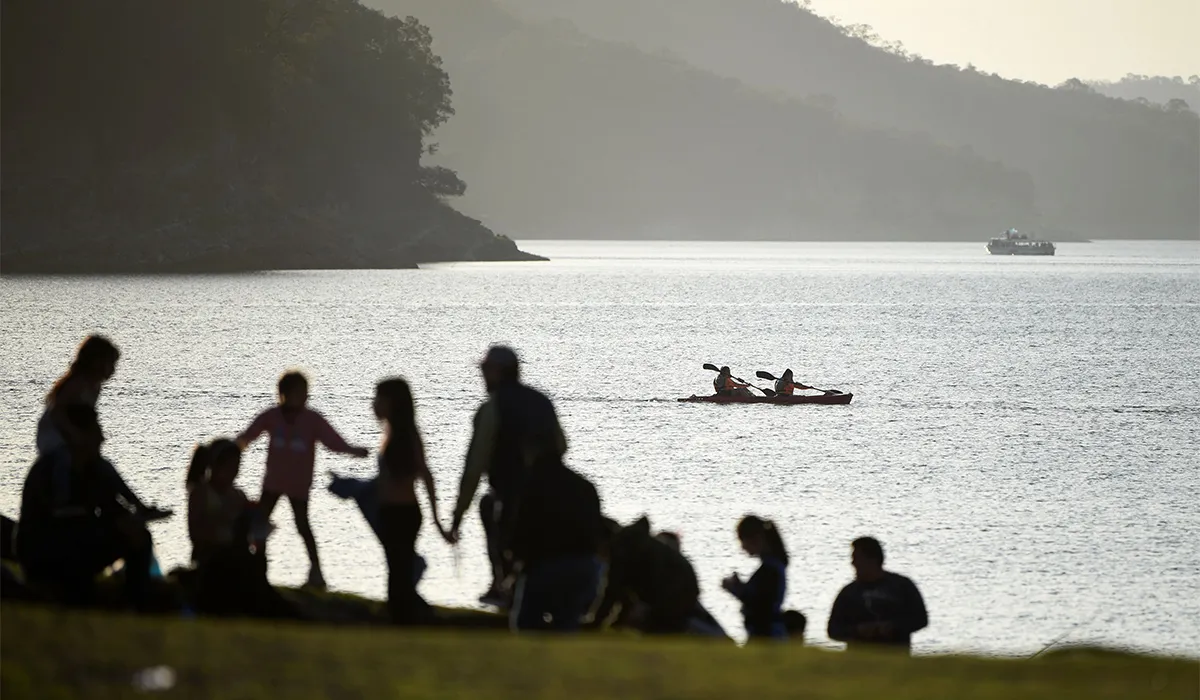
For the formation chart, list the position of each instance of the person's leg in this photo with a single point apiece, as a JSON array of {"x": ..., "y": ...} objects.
[
  {"x": 529, "y": 606},
  {"x": 575, "y": 592},
  {"x": 137, "y": 549},
  {"x": 487, "y": 516},
  {"x": 316, "y": 578},
  {"x": 398, "y": 533}
]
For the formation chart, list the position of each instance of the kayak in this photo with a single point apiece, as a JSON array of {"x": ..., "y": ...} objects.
[{"x": 792, "y": 400}]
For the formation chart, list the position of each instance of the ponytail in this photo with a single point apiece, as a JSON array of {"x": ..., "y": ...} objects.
[
  {"x": 198, "y": 469},
  {"x": 752, "y": 525}
]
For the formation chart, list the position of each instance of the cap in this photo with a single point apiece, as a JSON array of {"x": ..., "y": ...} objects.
[{"x": 500, "y": 356}]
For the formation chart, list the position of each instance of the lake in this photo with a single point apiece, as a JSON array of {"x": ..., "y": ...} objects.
[{"x": 1023, "y": 437}]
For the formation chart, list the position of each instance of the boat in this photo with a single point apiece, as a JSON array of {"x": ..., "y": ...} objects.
[
  {"x": 779, "y": 399},
  {"x": 1013, "y": 242}
]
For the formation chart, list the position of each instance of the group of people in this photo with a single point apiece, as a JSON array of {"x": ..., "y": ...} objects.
[
  {"x": 557, "y": 562},
  {"x": 726, "y": 384}
]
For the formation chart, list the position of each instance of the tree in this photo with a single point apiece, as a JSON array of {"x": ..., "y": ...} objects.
[{"x": 1177, "y": 106}]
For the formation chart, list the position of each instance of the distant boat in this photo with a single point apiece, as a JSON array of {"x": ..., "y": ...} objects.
[{"x": 1015, "y": 243}]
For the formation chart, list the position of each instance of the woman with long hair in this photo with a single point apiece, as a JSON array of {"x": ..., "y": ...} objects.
[
  {"x": 401, "y": 465},
  {"x": 762, "y": 595},
  {"x": 94, "y": 364}
]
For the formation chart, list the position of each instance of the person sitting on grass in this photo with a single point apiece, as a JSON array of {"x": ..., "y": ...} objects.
[
  {"x": 227, "y": 538},
  {"x": 762, "y": 595},
  {"x": 78, "y": 517},
  {"x": 878, "y": 607}
]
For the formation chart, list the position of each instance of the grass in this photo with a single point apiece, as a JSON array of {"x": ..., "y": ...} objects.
[{"x": 47, "y": 654}]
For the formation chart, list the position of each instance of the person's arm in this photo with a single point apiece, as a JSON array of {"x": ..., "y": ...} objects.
[
  {"x": 426, "y": 476},
  {"x": 841, "y": 624},
  {"x": 118, "y": 485},
  {"x": 257, "y": 427},
  {"x": 912, "y": 615},
  {"x": 479, "y": 454},
  {"x": 332, "y": 440}
]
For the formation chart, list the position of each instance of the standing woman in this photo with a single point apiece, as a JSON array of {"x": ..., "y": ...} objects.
[
  {"x": 762, "y": 596},
  {"x": 94, "y": 364},
  {"x": 401, "y": 464}
]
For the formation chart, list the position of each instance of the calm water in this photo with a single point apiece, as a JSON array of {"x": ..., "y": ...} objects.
[{"x": 1023, "y": 437}]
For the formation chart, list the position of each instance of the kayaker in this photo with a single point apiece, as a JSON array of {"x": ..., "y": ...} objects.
[
  {"x": 726, "y": 385},
  {"x": 787, "y": 385}
]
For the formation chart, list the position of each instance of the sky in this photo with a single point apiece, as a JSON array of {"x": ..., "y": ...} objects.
[{"x": 1047, "y": 41}]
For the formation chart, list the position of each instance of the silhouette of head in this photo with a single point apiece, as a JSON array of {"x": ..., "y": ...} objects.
[
  {"x": 867, "y": 558},
  {"x": 787, "y": 374},
  {"x": 97, "y": 358},
  {"x": 293, "y": 390},
  {"x": 760, "y": 538},
  {"x": 226, "y": 461},
  {"x": 725, "y": 370},
  {"x": 500, "y": 365}
]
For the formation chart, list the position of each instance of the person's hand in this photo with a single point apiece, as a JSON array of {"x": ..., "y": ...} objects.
[
  {"x": 152, "y": 514},
  {"x": 731, "y": 582},
  {"x": 360, "y": 452},
  {"x": 453, "y": 533},
  {"x": 450, "y": 536}
]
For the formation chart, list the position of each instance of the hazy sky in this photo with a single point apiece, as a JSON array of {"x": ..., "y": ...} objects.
[{"x": 1043, "y": 40}]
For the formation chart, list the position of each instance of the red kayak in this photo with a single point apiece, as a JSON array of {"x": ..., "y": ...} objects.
[{"x": 794, "y": 399}]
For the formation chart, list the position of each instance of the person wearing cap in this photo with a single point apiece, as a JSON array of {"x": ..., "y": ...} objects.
[{"x": 515, "y": 429}]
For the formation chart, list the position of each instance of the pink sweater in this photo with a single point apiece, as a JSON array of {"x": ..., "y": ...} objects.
[{"x": 291, "y": 454}]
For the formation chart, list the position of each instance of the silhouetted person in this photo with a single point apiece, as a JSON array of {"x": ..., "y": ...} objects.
[
  {"x": 726, "y": 385},
  {"x": 557, "y": 529},
  {"x": 94, "y": 364},
  {"x": 515, "y": 429},
  {"x": 650, "y": 579},
  {"x": 78, "y": 516},
  {"x": 878, "y": 607},
  {"x": 401, "y": 465},
  {"x": 787, "y": 385},
  {"x": 294, "y": 431},
  {"x": 227, "y": 537},
  {"x": 762, "y": 595}
]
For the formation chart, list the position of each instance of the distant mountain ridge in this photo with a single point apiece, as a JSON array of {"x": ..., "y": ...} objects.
[
  {"x": 563, "y": 135},
  {"x": 1101, "y": 167}
]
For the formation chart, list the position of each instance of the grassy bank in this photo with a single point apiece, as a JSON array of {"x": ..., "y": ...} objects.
[{"x": 52, "y": 654}]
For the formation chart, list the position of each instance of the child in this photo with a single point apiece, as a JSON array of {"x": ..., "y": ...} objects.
[
  {"x": 294, "y": 432},
  {"x": 94, "y": 364},
  {"x": 232, "y": 578},
  {"x": 762, "y": 596},
  {"x": 216, "y": 508},
  {"x": 401, "y": 465}
]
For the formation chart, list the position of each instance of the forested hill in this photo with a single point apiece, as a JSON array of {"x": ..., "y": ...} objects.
[
  {"x": 203, "y": 135},
  {"x": 1171, "y": 94},
  {"x": 1102, "y": 166},
  {"x": 564, "y": 135}
]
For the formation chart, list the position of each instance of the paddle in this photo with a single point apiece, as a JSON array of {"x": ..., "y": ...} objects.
[
  {"x": 767, "y": 375},
  {"x": 713, "y": 368}
]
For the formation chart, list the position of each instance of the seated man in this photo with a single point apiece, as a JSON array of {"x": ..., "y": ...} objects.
[
  {"x": 556, "y": 534},
  {"x": 78, "y": 517},
  {"x": 878, "y": 607}
]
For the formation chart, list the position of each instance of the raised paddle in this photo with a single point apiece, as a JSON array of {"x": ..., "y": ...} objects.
[
  {"x": 713, "y": 368},
  {"x": 767, "y": 375}
]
